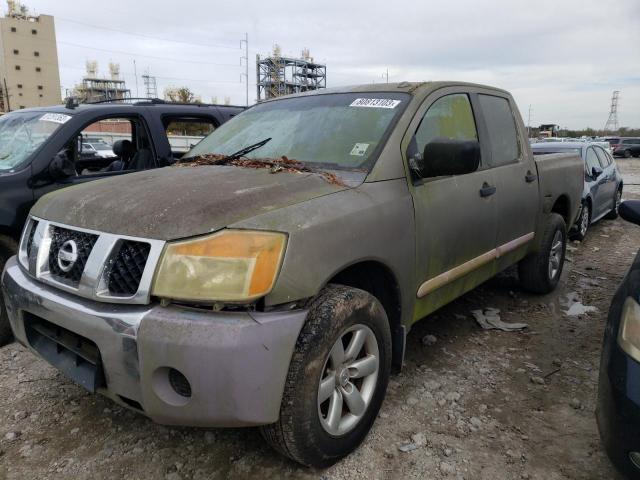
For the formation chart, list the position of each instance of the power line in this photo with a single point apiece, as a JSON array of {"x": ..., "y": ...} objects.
[
  {"x": 142, "y": 35},
  {"x": 120, "y": 52}
]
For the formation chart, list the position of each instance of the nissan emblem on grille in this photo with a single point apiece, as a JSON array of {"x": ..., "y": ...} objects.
[{"x": 67, "y": 255}]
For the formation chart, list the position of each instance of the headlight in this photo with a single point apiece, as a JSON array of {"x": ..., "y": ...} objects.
[
  {"x": 629, "y": 334},
  {"x": 232, "y": 265}
]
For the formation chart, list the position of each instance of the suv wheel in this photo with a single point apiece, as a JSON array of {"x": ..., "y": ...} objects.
[
  {"x": 540, "y": 272},
  {"x": 617, "y": 200},
  {"x": 337, "y": 378},
  {"x": 627, "y": 154}
]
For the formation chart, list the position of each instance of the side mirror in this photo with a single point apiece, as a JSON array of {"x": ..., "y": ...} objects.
[
  {"x": 448, "y": 157},
  {"x": 61, "y": 166},
  {"x": 630, "y": 211},
  {"x": 596, "y": 172}
]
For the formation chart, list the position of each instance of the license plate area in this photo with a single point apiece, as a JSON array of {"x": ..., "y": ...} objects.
[{"x": 75, "y": 356}]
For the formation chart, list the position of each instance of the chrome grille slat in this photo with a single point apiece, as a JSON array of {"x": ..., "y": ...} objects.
[{"x": 111, "y": 268}]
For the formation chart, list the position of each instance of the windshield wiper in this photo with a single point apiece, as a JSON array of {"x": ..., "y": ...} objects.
[{"x": 242, "y": 152}]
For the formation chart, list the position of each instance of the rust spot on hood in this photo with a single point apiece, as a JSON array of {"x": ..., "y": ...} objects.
[{"x": 275, "y": 165}]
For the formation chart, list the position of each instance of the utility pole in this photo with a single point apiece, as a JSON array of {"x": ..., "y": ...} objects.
[
  {"x": 387, "y": 75},
  {"x": 529, "y": 123},
  {"x": 246, "y": 63},
  {"x": 135, "y": 74}
]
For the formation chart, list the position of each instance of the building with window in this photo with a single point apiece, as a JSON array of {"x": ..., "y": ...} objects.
[{"x": 29, "y": 75}]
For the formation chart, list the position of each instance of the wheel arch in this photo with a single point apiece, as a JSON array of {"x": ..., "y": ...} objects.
[
  {"x": 562, "y": 206},
  {"x": 378, "y": 279}
]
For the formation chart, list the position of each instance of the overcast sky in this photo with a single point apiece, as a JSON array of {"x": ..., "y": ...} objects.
[{"x": 564, "y": 58}]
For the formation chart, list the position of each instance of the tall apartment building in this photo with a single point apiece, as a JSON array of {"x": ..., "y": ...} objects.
[{"x": 29, "y": 75}]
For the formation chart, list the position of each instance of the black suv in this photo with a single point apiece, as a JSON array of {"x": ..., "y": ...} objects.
[
  {"x": 625, "y": 147},
  {"x": 44, "y": 149}
]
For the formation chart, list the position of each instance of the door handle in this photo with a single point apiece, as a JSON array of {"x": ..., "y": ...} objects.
[
  {"x": 487, "y": 190},
  {"x": 530, "y": 177}
]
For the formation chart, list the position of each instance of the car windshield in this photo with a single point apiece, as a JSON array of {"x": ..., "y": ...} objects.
[
  {"x": 21, "y": 133},
  {"x": 341, "y": 131}
]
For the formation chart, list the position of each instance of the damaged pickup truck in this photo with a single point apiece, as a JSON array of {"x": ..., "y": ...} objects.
[{"x": 270, "y": 278}]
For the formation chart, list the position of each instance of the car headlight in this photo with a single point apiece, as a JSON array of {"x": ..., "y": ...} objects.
[
  {"x": 232, "y": 265},
  {"x": 629, "y": 334}
]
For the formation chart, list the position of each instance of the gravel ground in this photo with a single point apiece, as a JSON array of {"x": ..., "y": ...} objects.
[{"x": 469, "y": 404}]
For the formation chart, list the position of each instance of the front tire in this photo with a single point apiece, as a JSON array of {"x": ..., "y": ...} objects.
[
  {"x": 337, "y": 378},
  {"x": 583, "y": 222},
  {"x": 541, "y": 271}
]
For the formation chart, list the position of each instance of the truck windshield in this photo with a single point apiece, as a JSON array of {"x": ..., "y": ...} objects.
[
  {"x": 21, "y": 133},
  {"x": 342, "y": 131}
]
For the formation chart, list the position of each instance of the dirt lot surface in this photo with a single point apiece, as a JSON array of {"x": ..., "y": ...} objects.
[{"x": 470, "y": 403}]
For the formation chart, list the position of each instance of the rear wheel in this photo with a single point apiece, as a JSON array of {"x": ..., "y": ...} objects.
[
  {"x": 7, "y": 248},
  {"x": 627, "y": 154},
  {"x": 337, "y": 378},
  {"x": 540, "y": 272},
  {"x": 617, "y": 200}
]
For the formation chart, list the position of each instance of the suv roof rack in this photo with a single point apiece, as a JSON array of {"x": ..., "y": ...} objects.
[{"x": 156, "y": 101}]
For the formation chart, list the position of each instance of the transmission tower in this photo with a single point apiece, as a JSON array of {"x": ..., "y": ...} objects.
[
  {"x": 612, "y": 121},
  {"x": 151, "y": 89}
]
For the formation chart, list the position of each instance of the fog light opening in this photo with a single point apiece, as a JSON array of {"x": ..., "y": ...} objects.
[{"x": 179, "y": 383}]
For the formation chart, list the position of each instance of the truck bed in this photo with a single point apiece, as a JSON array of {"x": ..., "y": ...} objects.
[{"x": 561, "y": 174}]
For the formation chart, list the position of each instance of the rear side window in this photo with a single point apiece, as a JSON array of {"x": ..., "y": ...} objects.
[
  {"x": 449, "y": 117},
  {"x": 591, "y": 160},
  {"x": 501, "y": 126},
  {"x": 631, "y": 141}
]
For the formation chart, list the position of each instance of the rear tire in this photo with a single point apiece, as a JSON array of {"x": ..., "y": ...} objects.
[
  {"x": 627, "y": 154},
  {"x": 617, "y": 199},
  {"x": 8, "y": 248},
  {"x": 306, "y": 431},
  {"x": 540, "y": 272}
]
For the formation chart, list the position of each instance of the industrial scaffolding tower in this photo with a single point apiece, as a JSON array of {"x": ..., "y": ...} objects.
[
  {"x": 278, "y": 75},
  {"x": 612, "y": 121}
]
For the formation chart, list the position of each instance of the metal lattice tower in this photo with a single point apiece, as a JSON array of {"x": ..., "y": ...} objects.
[
  {"x": 150, "y": 86},
  {"x": 278, "y": 75},
  {"x": 612, "y": 121}
]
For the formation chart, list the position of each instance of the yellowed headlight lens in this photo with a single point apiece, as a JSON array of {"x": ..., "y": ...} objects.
[
  {"x": 629, "y": 333},
  {"x": 233, "y": 265}
]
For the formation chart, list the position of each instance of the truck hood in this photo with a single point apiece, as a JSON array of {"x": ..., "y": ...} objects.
[{"x": 172, "y": 203}]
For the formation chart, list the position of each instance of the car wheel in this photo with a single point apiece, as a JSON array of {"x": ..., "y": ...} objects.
[
  {"x": 617, "y": 200},
  {"x": 540, "y": 272},
  {"x": 627, "y": 154},
  {"x": 7, "y": 248},
  {"x": 337, "y": 378},
  {"x": 582, "y": 225}
]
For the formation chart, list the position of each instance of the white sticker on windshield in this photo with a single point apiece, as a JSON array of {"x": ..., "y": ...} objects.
[
  {"x": 55, "y": 117},
  {"x": 359, "y": 149},
  {"x": 375, "y": 103}
]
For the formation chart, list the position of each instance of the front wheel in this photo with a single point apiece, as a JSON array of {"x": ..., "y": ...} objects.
[
  {"x": 627, "y": 154},
  {"x": 540, "y": 272},
  {"x": 617, "y": 200},
  {"x": 583, "y": 223},
  {"x": 337, "y": 378}
]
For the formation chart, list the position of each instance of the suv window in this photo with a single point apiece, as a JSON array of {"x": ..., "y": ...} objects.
[
  {"x": 591, "y": 160},
  {"x": 503, "y": 135},
  {"x": 631, "y": 141},
  {"x": 185, "y": 133},
  {"x": 449, "y": 117}
]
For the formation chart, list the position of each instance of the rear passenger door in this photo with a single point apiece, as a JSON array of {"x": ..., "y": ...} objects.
[{"x": 517, "y": 197}]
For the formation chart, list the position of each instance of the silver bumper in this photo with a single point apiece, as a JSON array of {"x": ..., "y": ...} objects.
[{"x": 235, "y": 362}]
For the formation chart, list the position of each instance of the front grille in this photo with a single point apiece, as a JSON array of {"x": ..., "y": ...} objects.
[
  {"x": 84, "y": 244},
  {"x": 74, "y": 355},
  {"x": 32, "y": 232},
  {"x": 127, "y": 268}
]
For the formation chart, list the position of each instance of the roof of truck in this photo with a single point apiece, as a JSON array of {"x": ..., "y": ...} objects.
[{"x": 120, "y": 106}]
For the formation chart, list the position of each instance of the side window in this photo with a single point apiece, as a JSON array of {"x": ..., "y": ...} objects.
[
  {"x": 501, "y": 126},
  {"x": 591, "y": 160},
  {"x": 602, "y": 157},
  {"x": 185, "y": 133},
  {"x": 449, "y": 117}
]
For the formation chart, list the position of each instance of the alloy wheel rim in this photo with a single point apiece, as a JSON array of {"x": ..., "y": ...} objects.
[
  {"x": 584, "y": 221},
  {"x": 555, "y": 255},
  {"x": 348, "y": 380}
]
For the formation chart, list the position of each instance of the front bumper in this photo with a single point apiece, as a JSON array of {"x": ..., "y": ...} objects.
[{"x": 235, "y": 362}]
